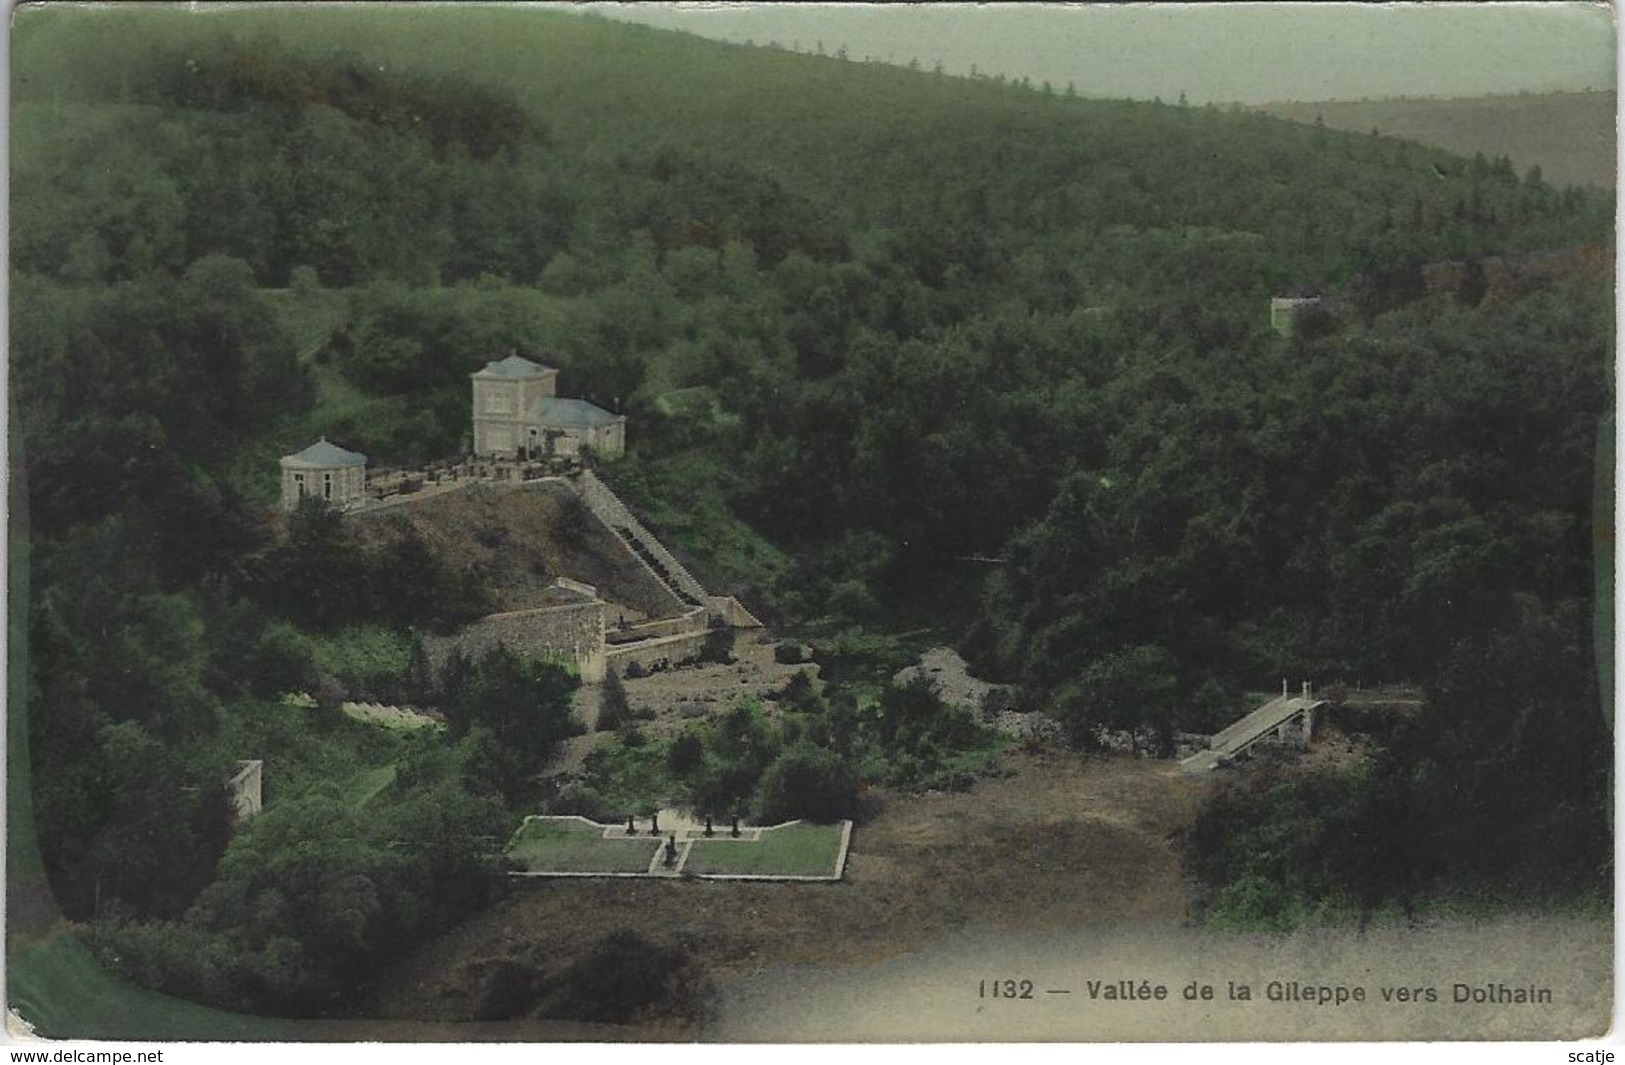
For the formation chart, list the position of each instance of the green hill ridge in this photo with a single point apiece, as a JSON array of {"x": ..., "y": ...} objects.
[{"x": 904, "y": 356}]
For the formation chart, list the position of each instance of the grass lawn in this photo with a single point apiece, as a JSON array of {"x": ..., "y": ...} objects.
[
  {"x": 365, "y": 786},
  {"x": 795, "y": 850},
  {"x": 572, "y": 847},
  {"x": 309, "y": 317},
  {"x": 58, "y": 987}
]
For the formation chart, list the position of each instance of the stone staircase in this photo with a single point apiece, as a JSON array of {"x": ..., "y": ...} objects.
[
  {"x": 630, "y": 538},
  {"x": 608, "y": 508}
]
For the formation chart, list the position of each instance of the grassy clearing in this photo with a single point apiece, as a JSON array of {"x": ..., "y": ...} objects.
[
  {"x": 364, "y": 787},
  {"x": 57, "y": 986},
  {"x": 684, "y": 497},
  {"x": 364, "y": 657},
  {"x": 572, "y": 847},
  {"x": 800, "y": 849},
  {"x": 305, "y": 748},
  {"x": 309, "y": 316},
  {"x": 377, "y": 425}
]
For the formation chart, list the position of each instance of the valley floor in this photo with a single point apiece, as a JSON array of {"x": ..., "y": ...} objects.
[{"x": 1056, "y": 841}]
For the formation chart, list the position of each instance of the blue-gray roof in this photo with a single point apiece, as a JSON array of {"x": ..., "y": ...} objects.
[
  {"x": 554, "y": 412},
  {"x": 512, "y": 366},
  {"x": 323, "y": 453}
]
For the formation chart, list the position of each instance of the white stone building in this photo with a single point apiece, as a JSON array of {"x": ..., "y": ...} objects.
[
  {"x": 327, "y": 472},
  {"x": 517, "y": 414}
]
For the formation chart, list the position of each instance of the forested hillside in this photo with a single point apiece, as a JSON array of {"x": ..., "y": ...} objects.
[
  {"x": 1571, "y": 136},
  {"x": 866, "y": 322}
]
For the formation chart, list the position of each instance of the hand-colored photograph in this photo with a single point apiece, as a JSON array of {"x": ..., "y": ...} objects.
[{"x": 752, "y": 523}]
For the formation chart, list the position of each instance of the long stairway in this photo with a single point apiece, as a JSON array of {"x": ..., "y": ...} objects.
[
  {"x": 670, "y": 580},
  {"x": 650, "y": 551}
]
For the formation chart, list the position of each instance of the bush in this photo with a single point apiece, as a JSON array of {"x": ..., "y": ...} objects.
[
  {"x": 367, "y": 661},
  {"x": 583, "y": 800},
  {"x": 623, "y": 975},
  {"x": 800, "y": 693},
  {"x": 686, "y": 754},
  {"x": 807, "y": 782},
  {"x": 523, "y": 705},
  {"x": 629, "y": 779},
  {"x": 614, "y": 710},
  {"x": 304, "y": 280},
  {"x": 723, "y": 787},
  {"x": 718, "y": 645},
  {"x": 505, "y": 988},
  {"x": 999, "y": 700},
  {"x": 791, "y": 653}
]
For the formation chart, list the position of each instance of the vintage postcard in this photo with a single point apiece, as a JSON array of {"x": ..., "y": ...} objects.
[{"x": 811, "y": 523}]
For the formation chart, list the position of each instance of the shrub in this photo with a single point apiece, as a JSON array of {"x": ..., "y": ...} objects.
[
  {"x": 583, "y": 800},
  {"x": 283, "y": 658},
  {"x": 364, "y": 660},
  {"x": 998, "y": 700},
  {"x": 790, "y": 653},
  {"x": 613, "y": 710},
  {"x": 504, "y": 988},
  {"x": 718, "y": 645},
  {"x": 800, "y": 693},
  {"x": 686, "y": 754},
  {"x": 304, "y": 280},
  {"x": 623, "y": 975},
  {"x": 724, "y": 787},
  {"x": 807, "y": 782}
]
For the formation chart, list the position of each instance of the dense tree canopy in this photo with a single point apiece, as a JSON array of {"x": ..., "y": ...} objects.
[{"x": 900, "y": 351}]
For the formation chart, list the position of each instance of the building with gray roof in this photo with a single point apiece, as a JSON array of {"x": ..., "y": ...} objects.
[
  {"x": 325, "y": 471},
  {"x": 517, "y": 414}
]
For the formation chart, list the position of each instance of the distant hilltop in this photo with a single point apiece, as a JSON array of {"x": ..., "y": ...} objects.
[{"x": 1569, "y": 135}]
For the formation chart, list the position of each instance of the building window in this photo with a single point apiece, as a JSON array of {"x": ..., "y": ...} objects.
[
  {"x": 299, "y": 482},
  {"x": 497, "y": 401},
  {"x": 327, "y": 486}
]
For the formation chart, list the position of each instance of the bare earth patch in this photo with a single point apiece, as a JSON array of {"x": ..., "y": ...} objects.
[
  {"x": 1058, "y": 841},
  {"x": 522, "y": 538}
]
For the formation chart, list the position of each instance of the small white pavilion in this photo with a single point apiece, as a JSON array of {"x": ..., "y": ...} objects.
[{"x": 326, "y": 471}]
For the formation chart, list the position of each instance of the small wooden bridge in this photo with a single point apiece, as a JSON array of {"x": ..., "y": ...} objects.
[{"x": 1285, "y": 719}]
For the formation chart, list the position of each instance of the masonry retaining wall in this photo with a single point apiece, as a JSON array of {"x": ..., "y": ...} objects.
[
  {"x": 732, "y": 612},
  {"x": 574, "y": 632},
  {"x": 694, "y": 619},
  {"x": 662, "y": 651}
]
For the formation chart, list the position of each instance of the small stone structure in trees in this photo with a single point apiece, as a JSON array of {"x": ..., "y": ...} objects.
[
  {"x": 324, "y": 471},
  {"x": 246, "y": 788},
  {"x": 1285, "y": 310}
]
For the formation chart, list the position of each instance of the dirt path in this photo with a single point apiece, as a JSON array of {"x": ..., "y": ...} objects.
[{"x": 1057, "y": 841}]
